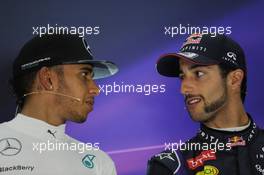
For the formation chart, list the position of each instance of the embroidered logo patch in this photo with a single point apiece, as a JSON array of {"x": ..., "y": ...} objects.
[
  {"x": 237, "y": 141},
  {"x": 88, "y": 161},
  {"x": 193, "y": 163},
  {"x": 208, "y": 170}
]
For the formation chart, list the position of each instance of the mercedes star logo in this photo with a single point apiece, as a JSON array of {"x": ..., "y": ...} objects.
[{"x": 10, "y": 146}]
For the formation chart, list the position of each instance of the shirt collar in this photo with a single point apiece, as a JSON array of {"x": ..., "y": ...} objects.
[
  {"x": 240, "y": 128},
  {"x": 37, "y": 128},
  {"x": 242, "y": 136}
]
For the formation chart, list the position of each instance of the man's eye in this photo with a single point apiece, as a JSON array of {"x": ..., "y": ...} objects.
[
  {"x": 87, "y": 75},
  {"x": 84, "y": 74},
  {"x": 199, "y": 74}
]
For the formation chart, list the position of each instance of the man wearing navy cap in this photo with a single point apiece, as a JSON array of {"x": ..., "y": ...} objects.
[
  {"x": 213, "y": 75},
  {"x": 53, "y": 80}
]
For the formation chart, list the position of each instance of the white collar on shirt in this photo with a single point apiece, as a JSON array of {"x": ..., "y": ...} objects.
[
  {"x": 235, "y": 129},
  {"x": 37, "y": 128}
]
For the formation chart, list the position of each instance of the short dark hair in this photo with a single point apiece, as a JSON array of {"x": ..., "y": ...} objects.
[
  {"x": 225, "y": 70},
  {"x": 23, "y": 84}
]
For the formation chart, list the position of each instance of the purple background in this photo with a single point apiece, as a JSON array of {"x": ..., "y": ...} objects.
[{"x": 131, "y": 127}]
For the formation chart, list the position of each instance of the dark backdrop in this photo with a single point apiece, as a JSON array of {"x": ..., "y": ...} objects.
[{"x": 130, "y": 126}]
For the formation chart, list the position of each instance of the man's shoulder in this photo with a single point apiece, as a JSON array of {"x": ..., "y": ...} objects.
[
  {"x": 260, "y": 132},
  {"x": 5, "y": 129},
  {"x": 261, "y": 129}
]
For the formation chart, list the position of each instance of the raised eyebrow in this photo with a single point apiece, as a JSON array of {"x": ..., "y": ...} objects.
[
  {"x": 192, "y": 67},
  {"x": 195, "y": 66}
]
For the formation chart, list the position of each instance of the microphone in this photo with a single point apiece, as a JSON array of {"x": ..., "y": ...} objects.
[{"x": 53, "y": 93}]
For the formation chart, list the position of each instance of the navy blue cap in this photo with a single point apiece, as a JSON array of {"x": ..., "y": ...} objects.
[{"x": 203, "y": 49}]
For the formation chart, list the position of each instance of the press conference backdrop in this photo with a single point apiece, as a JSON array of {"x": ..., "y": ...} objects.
[{"x": 132, "y": 126}]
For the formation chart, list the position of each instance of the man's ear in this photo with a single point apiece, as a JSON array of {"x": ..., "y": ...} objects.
[
  {"x": 235, "y": 79},
  {"x": 45, "y": 78}
]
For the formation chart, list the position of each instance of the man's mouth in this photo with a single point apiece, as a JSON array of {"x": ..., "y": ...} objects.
[
  {"x": 90, "y": 102},
  {"x": 193, "y": 100}
]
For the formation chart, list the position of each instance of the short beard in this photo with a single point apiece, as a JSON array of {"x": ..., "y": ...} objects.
[
  {"x": 214, "y": 106},
  {"x": 211, "y": 110}
]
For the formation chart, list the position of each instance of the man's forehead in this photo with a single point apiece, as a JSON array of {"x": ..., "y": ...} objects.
[
  {"x": 184, "y": 63},
  {"x": 189, "y": 65}
]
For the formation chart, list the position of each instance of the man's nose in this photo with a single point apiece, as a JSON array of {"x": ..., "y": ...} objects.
[
  {"x": 94, "y": 89},
  {"x": 187, "y": 86}
]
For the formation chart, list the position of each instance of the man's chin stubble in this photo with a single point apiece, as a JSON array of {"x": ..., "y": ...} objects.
[{"x": 80, "y": 120}]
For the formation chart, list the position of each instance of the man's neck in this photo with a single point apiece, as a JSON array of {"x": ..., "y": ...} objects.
[{"x": 42, "y": 112}]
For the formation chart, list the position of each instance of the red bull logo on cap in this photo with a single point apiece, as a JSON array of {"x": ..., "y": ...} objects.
[{"x": 193, "y": 39}]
